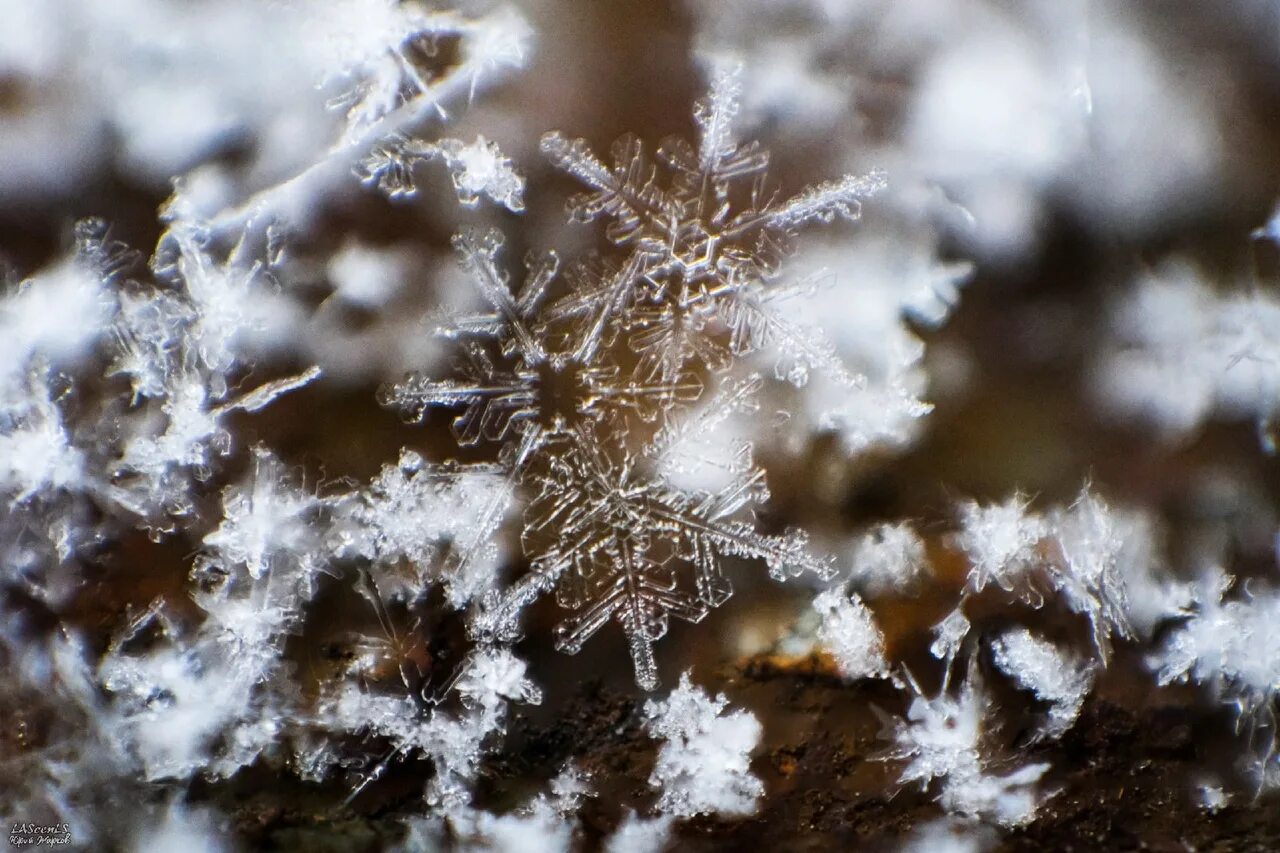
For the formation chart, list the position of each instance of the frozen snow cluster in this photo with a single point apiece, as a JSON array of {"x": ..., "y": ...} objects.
[{"x": 194, "y": 588}]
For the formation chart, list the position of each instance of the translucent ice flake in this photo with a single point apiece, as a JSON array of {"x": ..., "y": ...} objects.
[
  {"x": 703, "y": 245},
  {"x": 543, "y": 374},
  {"x": 477, "y": 169},
  {"x": 611, "y": 542}
]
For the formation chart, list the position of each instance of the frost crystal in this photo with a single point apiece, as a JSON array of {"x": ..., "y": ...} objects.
[
  {"x": 436, "y": 518},
  {"x": 889, "y": 559},
  {"x": 476, "y": 169},
  {"x": 1092, "y": 539},
  {"x": 1055, "y": 676},
  {"x": 1000, "y": 540},
  {"x": 949, "y": 635},
  {"x": 693, "y": 257},
  {"x": 1074, "y": 551},
  {"x": 1182, "y": 353},
  {"x": 480, "y": 169},
  {"x": 942, "y": 738},
  {"x": 264, "y": 519},
  {"x": 704, "y": 763},
  {"x": 849, "y": 632},
  {"x": 1231, "y": 646}
]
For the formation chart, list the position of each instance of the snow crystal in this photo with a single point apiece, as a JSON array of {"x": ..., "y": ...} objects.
[
  {"x": 849, "y": 632},
  {"x": 942, "y": 738},
  {"x": 480, "y": 169},
  {"x": 1233, "y": 646},
  {"x": 949, "y": 635},
  {"x": 889, "y": 559},
  {"x": 1054, "y": 675},
  {"x": 1183, "y": 352},
  {"x": 640, "y": 835},
  {"x": 1000, "y": 541},
  {"x": 703, "y": 764}
]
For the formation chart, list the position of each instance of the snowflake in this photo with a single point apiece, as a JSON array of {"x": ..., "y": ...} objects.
[
  {"x": 949, "y": 636},
  {"x": 640, "y": 835},
  {"x": 609, "y": 540},
  {"x": 606, "y": 529},
  {"x": 600, "y": 530},
  {"x": 890, "y": 558},
  {"x": 849, "y": 632},
  {"x": 476, "y": 169},
  {"x": 415, "y": 512},
  {"x": 700, "y": 260},
  {"x": 1056, "y": 676},
  {"x": 1000, "y": 541},
  {"x": 1231, "y": 646},
  {"x": 943, "y": 738},
  {"x": 264, "y": 519},
  {"x": 703, "y": 765}
]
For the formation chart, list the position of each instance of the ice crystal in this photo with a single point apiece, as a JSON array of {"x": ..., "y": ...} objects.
[
  {"x": 609, "y": 540},
  {"x": 365, "y": 276},
  {"x": 606, "y": 527},
  {"x": 36, "y": 453},
  {"x": 703, "y": 764},
  {"x": 455, "y": 743},
  {"x": 1092, "y": 538},
  {"x": 264, "y": 519},
  {"x": 1182, "y": 353},
  {"x": 1000, "y": 540},
  {"x": 889, "y": 559},
  {"x": 943, "y": 738},
  {"x": 948, "y": 835},
  {"x": 1054, "y": 675},
  {"x": 949, "y": 636},
  {"x": 1075, "y": 551},
  {"x": 694, "y": 256},
  {"x": 1232, "y": 646},
  {"x": 849, "y": 632},
  {"x": 1211, "y": 796},
  {"x": 476, "y": 169},
  {"x": 419, "y": 513},
  {"x": 544, "y": 823}
]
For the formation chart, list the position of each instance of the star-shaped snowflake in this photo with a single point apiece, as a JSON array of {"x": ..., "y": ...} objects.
[{"x": 552, "y": 384}]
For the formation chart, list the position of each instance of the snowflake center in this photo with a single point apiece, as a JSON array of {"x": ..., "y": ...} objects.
[
  {"x": 694, "y": 250},
  {"x": 560, "y": 389}
]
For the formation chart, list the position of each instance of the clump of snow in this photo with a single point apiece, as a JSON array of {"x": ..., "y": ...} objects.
[
  {"x": 545, "y": 823},
  {"x": 1054, "y": 675},
  {"x": 889, "y": 559},
  {"x": 704, "y": 762},
  {"x": 849, "y": 632},
  {"x": 947, "y": 835},
  {"x": 1182, "y": 353},
  {"x": 943, "y": 739},
  {"x": 640, "y": 835}
]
